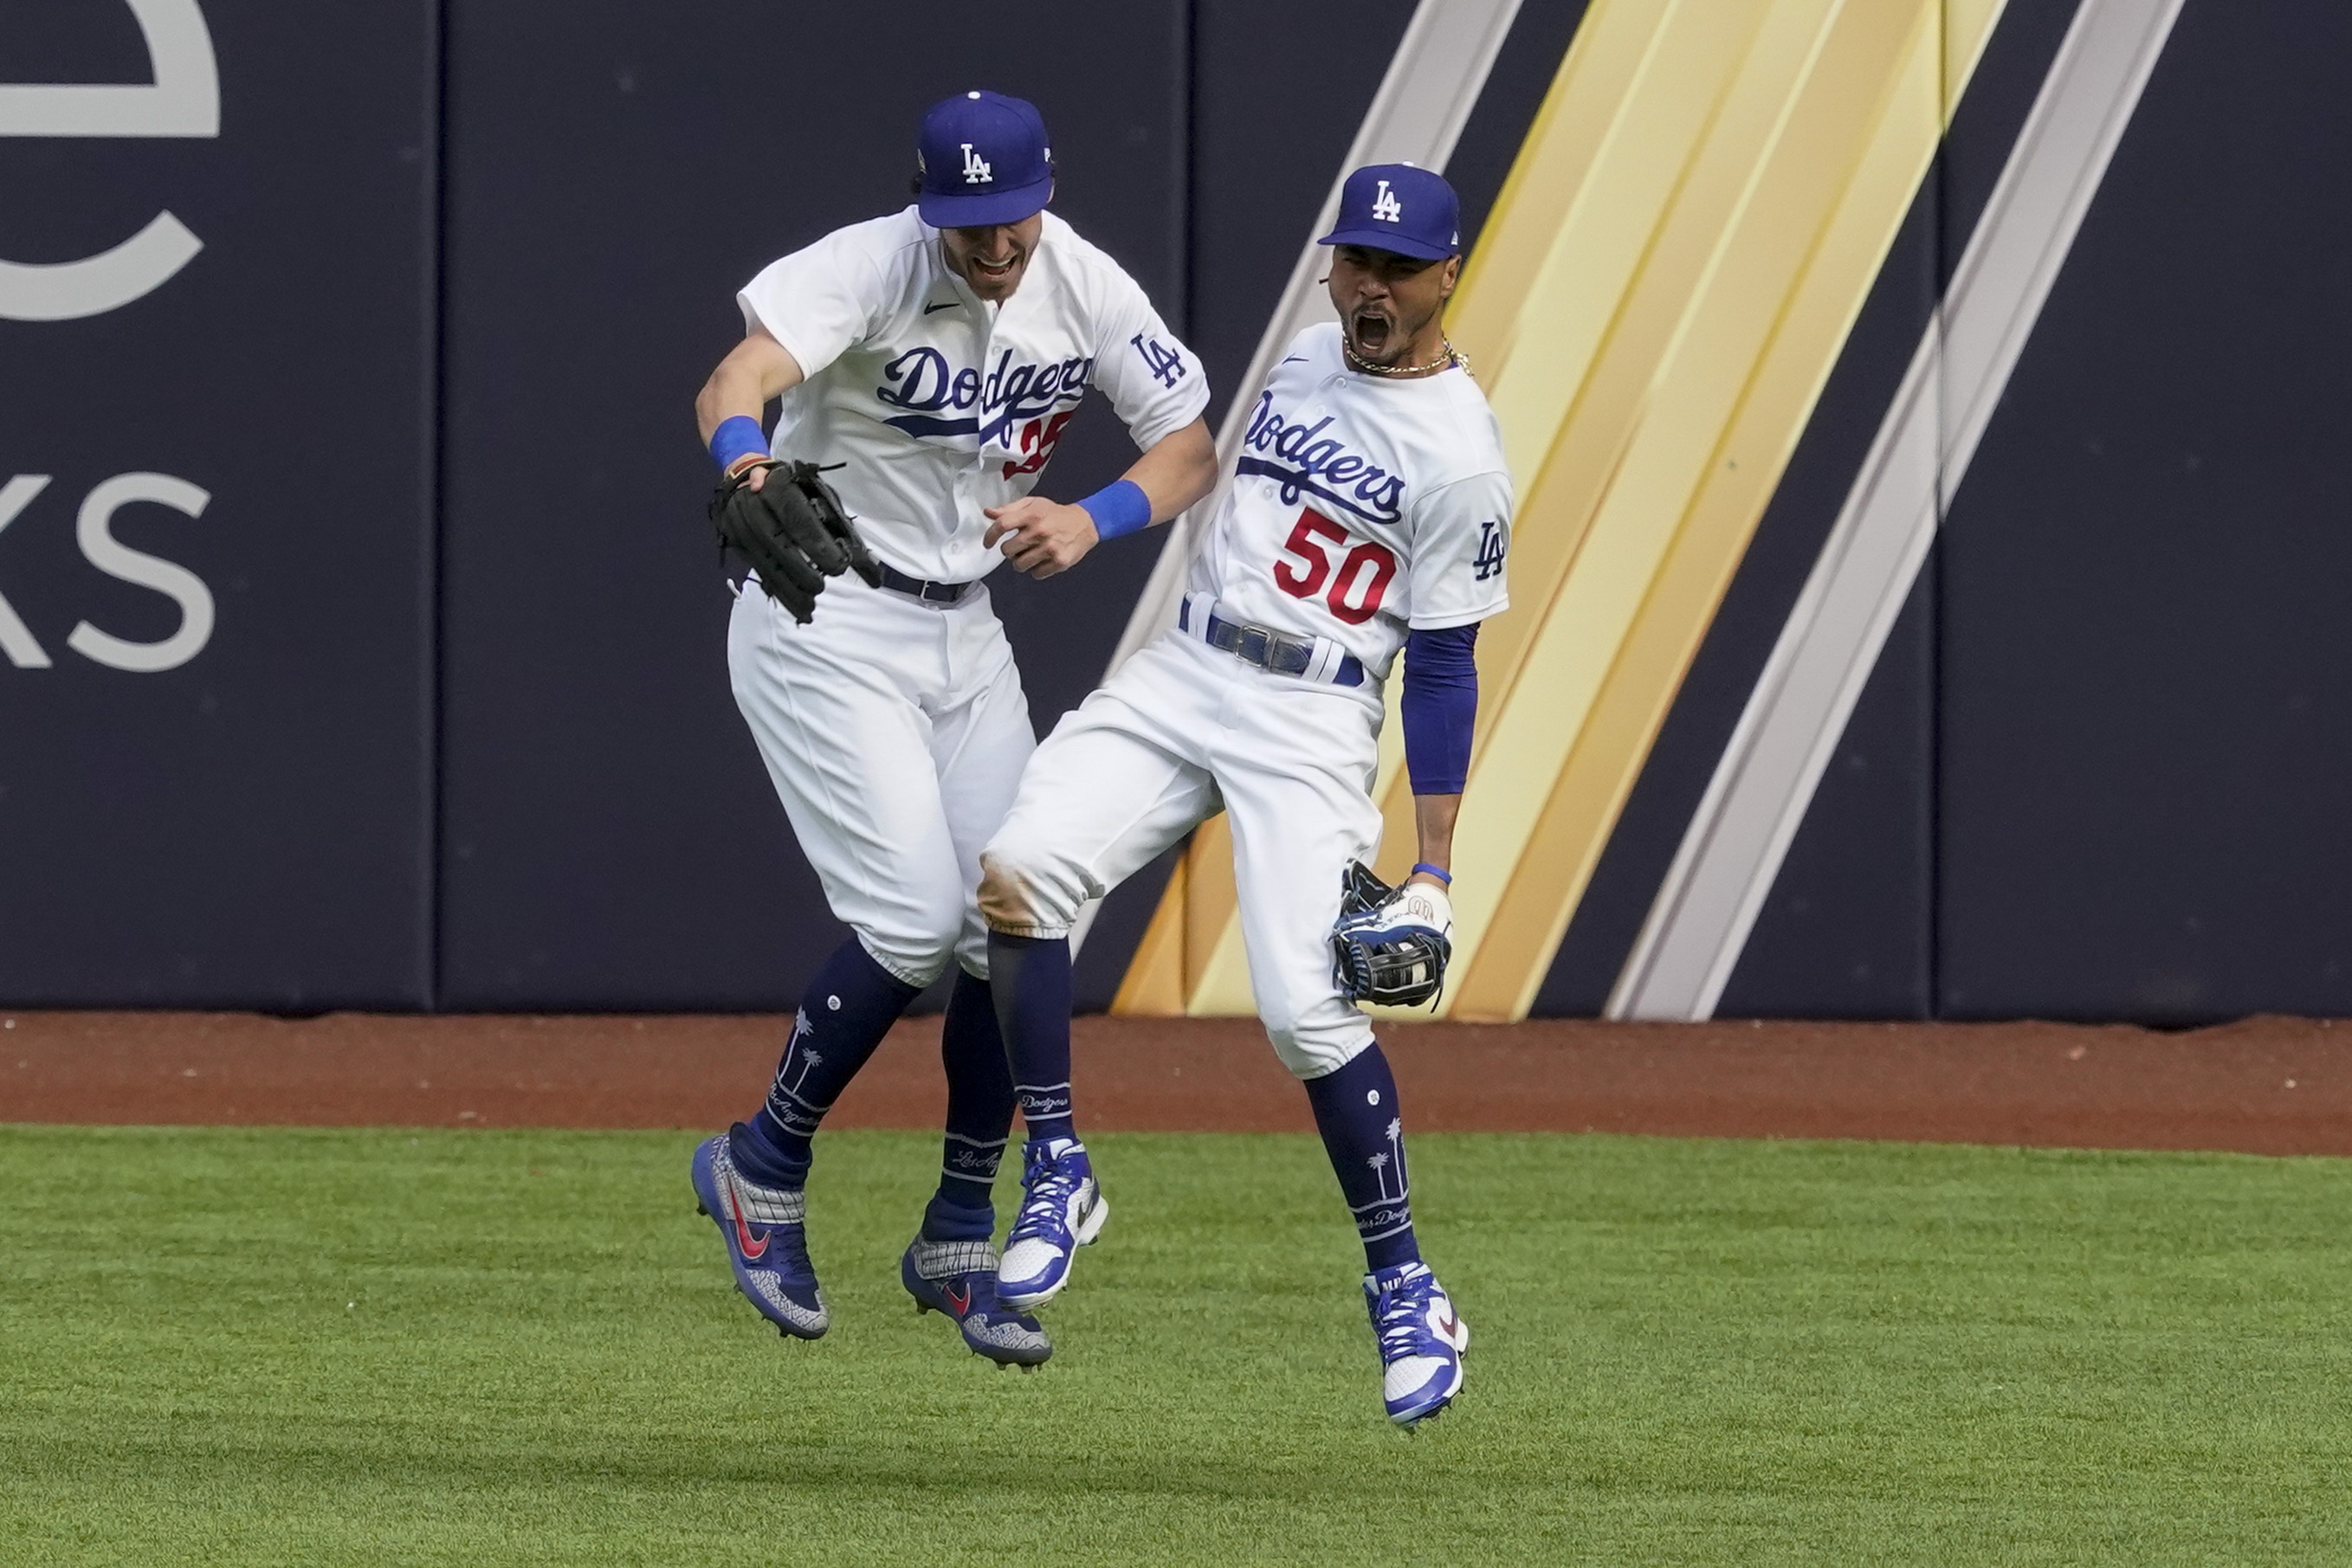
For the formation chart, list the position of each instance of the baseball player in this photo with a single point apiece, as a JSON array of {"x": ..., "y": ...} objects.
[
  {"x": 1370, "y": 511},
  {"x": 927, "y": 363}
]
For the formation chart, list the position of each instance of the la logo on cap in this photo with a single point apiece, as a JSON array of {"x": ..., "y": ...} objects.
[
  {"x": 1374, "y": 213},
  {"x": 982, "y": 159}
]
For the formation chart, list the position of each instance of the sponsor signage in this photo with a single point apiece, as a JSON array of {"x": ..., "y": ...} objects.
[{"x": 214, "y": 539}]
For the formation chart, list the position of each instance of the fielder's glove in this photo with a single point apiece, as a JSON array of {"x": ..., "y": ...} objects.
[
  {"x": 1390, "y": 945},
  {"x": 793, "y": 531}
]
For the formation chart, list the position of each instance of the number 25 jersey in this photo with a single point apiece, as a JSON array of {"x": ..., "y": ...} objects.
[{"x": 1362, "y": 507}]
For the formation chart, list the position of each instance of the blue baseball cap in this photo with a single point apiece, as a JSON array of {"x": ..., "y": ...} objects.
[
  {"x": 982, "y": 159},
  {"x": 1397, "y": 207}
]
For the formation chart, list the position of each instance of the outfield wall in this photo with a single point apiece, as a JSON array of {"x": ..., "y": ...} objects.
[{"x": 364, "y": 645}]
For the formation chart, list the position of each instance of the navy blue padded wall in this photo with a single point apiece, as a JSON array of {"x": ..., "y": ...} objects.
[
  {"x": 1267, "y": 136},
  {"x": 1846, "y": 931},
  {"x": 2147, "y": 665},
  {"x": 249, "y": 826}
]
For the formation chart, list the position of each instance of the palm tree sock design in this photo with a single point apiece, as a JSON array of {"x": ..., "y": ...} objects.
[
  {"x": 1363, "y": 1131},
  {"x": 847, "y": 1008}
]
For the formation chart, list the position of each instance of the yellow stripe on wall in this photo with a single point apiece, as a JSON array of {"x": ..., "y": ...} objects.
[{"x": 1670, "y": 272}]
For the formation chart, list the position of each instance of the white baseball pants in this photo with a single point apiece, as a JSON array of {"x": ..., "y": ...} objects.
[
  {"x": 1179, "y": 730},
  {"x": 894, "y": 730}
]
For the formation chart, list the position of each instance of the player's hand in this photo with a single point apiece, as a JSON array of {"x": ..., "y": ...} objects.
[{"x": 1040, "y": 536}]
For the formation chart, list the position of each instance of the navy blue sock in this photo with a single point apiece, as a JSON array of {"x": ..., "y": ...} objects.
[
  {"x": 1356, "y": 1111},
  {"x": 1031, "y": 981},
  {"x": 979, "y": 1115},
  {"x": 849, "y": 1006}
]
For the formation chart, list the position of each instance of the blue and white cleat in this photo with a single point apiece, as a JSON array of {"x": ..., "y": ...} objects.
[
  {"x": 959, "y": 1277},
  {"x": 1062, "y": 1209},
  {"x": 766, "y": 1245},
  {"x": 1422, "y": 1341}
]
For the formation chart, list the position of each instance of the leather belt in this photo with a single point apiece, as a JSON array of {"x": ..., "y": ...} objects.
[
  {"x": 897, "y": 581},
  {"x": 1268, "y": 650}
]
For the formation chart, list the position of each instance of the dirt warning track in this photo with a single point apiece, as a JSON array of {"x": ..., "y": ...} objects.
[{"x": 2264, "y": 1085}]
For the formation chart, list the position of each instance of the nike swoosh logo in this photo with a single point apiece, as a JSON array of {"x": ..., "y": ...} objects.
[
  {"x": 1451, "y": 1327},
  {"x": 754, "y": 1247},
  {"x": 942, "y": 305},
  {"x": 1296, "y": 359},
  {"x": 960, "y": 1301}
]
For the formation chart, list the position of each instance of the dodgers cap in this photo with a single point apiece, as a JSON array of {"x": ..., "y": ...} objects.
[
  {"x": 982, "y": 159},
  {"x": 1397, "y": 207}
]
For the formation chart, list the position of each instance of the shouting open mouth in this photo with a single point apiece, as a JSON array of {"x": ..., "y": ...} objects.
[{"x": 1371, "y": 331}]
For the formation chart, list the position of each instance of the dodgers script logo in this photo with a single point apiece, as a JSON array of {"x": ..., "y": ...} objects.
[
  {"x": 921, "y": 381},
  {"x": 1307, "y": 462}
]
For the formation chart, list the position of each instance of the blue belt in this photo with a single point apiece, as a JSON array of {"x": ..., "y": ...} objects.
[
  {"x": 1269, "y": 650},
  {"x": 897, "y": 581}
]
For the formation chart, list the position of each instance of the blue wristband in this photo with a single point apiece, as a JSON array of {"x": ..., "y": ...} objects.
[
  {"x": 739, "y": 436},
  {"x": 1118, "y": 508},
  {"x": 1423, "y": 868}
]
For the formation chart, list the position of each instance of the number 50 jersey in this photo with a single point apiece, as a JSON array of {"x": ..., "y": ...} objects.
[{"x": 1362, "y": 507}]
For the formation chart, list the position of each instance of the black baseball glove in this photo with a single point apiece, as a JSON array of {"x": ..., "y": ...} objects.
[{"x": 792, "y": 530}]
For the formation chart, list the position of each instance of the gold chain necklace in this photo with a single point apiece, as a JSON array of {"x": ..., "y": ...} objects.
[{"x": 1357, "y": 361}]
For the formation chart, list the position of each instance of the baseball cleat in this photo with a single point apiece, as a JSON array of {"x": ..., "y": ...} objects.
[
  {"x": 1062, "y": 1209},
  {"x": 1422, "y": 1339},
  {"x": 959, "y": 1277},
  {"x": 766, "y": 1244}
]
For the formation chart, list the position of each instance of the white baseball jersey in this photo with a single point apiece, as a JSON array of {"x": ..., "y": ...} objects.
[
  {"x": 940, "y": 404},
  {"x": 1362, "y": 507}
]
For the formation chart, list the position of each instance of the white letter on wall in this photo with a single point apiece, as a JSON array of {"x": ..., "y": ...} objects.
[
  {"x": 184, "y": 101},
  {"x": 94, "y": 528},
  {"x": 16, "y": 637}
]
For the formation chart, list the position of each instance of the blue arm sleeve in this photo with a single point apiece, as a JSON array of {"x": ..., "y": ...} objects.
[{"x": 1439, "y": 706}]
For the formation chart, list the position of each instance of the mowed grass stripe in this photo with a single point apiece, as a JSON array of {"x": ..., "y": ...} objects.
[{"x": 364, "y": 1347}]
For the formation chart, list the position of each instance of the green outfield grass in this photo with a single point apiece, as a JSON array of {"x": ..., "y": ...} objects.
[{"x": 364, "y": 1347}]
